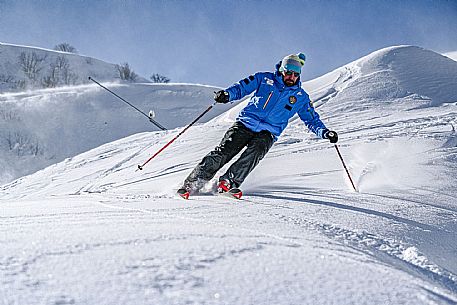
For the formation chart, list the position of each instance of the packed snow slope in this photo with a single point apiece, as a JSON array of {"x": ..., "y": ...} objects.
[
  {"x": 93, "y": 230},
  {"x": 40, "y": 127}
]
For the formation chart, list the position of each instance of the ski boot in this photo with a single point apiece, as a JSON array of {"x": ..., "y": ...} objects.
[
  {"x": 183, "y": 193},
  {"x": 224, "y": 187}
]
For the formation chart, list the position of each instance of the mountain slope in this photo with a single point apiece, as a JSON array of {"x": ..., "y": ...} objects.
[
  {"x": 39, "y": 127},
  {"x": 42, "y": 127},
  {"x": 301, "y": 236},
  {"x": 24, "y": 67},
  {"x": 410, "y": 72}
]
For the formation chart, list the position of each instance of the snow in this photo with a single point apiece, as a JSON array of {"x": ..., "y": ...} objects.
[
  {"x": 93, "y": 230},
  {"x": 40, "y": 127},
  {"x": 79, "y": 66},
  {"x": 451, "y": 55},
  {"x": 63, "y": 122}
]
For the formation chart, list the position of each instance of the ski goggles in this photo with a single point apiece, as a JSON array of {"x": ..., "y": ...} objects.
[{"x": 289, "y": 73}]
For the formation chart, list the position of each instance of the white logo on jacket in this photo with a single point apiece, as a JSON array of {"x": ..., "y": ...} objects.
[
  {"x": 269, "y": 81},
  {"x": 255, "y": 101}
]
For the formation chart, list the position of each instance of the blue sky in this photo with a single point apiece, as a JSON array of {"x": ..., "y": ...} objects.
[{"x": 219, "y": 42}]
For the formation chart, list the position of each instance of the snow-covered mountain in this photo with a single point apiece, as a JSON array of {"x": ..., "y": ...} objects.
[
  {"x": 406, "y": 72},
  {"x": 24, "y": 67},
  {"x": 44, "y": 126},
  {"x": 93, "y": 230}
]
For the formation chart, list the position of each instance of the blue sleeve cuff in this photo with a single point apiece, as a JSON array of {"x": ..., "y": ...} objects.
[{"x": 321, "y": 133}]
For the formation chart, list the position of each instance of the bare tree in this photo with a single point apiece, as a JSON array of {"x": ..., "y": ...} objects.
[
  {"x": 66, "y": 74},
  {"x": 65, "y": 47},
  {"x": 23, "y": 144},
  {"x": 59, "y": 73},
  {"x": 157, "y": 78},
  {"x": 17, "y": 141},
  {"x": 6, "y": 78},
  {"x": 62, "y": 63},
  {"x": 19, "y": 84},
  {"x": 126, "y": 73},
  {"x": 52, "y": 80},
  {"x": 31, "y": 64},
  {"x": 9, "y": 114}
]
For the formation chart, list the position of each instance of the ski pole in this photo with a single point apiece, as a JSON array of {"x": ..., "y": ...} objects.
[
  {"x": 140, "y": 167},
  {"x": 122, "y": 99},
  {"x": 344, "y": 165}
]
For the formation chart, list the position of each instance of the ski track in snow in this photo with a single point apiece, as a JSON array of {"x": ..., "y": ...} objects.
[
  {"x": 275, "y": 207},
  {"x": 370, "y": 242}
]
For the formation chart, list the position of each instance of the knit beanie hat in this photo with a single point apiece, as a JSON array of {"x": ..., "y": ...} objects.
[{"x": 292, "y": 62}]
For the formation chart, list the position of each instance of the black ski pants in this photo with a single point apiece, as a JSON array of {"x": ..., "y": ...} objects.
[{"x": 235, "y": 139}]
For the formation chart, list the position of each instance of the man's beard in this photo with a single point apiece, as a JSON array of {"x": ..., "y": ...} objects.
[{"x": 289, "y": 82}]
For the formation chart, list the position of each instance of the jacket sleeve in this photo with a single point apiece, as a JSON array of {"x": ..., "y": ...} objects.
[
  {"x": 244, "y": 87},
  {"x": 311, "y": 119}
]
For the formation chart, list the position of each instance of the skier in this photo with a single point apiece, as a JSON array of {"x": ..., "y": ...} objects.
[{"x": 278, "y": 97}]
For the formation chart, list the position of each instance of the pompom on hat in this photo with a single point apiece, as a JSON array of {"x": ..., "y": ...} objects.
[{"x": 293, "y": 62}]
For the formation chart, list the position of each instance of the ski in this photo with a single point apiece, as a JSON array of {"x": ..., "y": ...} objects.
[{"x": 235, "y": 193}]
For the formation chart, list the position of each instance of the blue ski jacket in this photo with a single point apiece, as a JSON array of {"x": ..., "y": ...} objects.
[{"x": 274, "y": 103}]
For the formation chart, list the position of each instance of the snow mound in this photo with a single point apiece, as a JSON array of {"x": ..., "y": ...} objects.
[{"x": 388, "y": 74}]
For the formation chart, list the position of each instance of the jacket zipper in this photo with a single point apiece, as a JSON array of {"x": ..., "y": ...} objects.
[{"x": 268, "y": 99}]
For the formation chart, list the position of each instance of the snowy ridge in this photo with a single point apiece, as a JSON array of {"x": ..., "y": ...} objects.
[
  {"x": 395, "y": 72},
  {"x": 29, "y": 72},
  {"x": 300, "y": 236},
  {"x": 451, "y": 55}
]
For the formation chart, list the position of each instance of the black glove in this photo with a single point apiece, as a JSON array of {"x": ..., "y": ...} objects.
[
  {"x": 331, "y": 135},
  {"x": 221, "y": 96}
]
